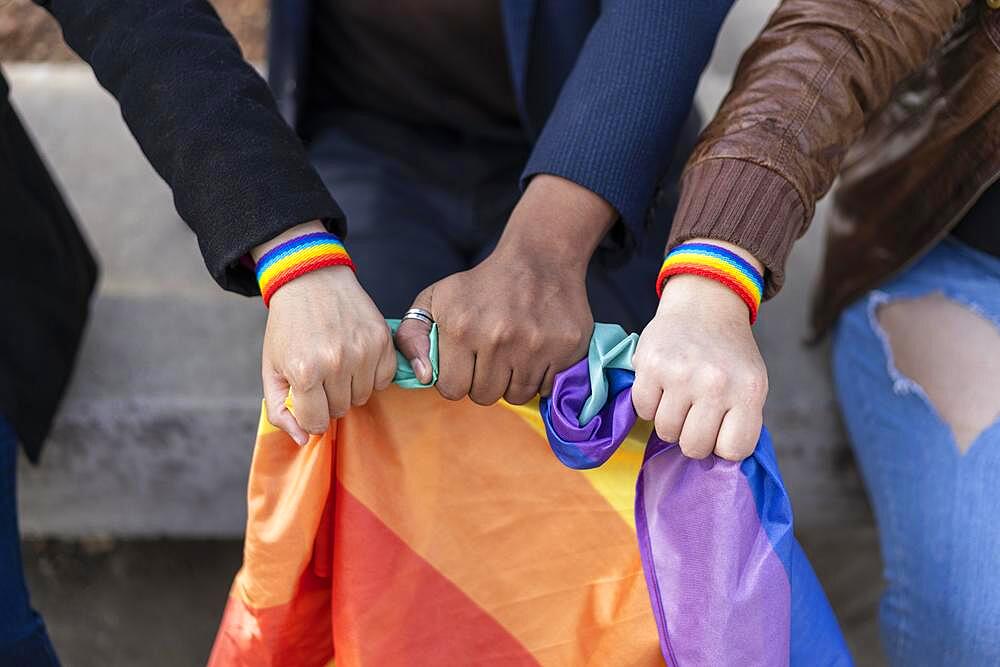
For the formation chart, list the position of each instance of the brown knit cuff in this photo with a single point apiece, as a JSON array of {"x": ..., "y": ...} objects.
[{"x": 745, "y": 204}]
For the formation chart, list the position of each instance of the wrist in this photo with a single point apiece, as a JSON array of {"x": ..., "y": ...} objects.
[
  {"x": 299, "y": 255},
  {"x": 311, "y": 227},
  {"x": 327, "y": 280},
  {"x": 693, "y": 293},
  {"x": 728, "y": 266},
  {"x": 557, "y": 223}
]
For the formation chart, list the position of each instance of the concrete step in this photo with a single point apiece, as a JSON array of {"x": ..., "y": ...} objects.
[
  {"x": 155, "y": 436},
  {"x": 156, "y": 432}
]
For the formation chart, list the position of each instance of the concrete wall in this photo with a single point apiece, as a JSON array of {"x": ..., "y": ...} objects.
[{"x": 156, "y": 433}]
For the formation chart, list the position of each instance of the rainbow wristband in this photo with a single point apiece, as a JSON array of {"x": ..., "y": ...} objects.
[
  {"x": 717, "y": 263},
  {"x": 297, "y": 257}
]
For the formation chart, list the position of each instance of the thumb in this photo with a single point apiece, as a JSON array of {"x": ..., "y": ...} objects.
[{"x": 413, "y": 339}]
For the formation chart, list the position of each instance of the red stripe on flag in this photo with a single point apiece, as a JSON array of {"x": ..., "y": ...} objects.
[
  {"x": 391, "y": 607},
  {"x": 296, "y": 633}
]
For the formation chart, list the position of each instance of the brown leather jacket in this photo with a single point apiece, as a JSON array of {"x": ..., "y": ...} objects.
[{"x": 901, "y": 98}]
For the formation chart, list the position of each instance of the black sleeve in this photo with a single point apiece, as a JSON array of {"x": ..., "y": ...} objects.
[{"x": 206, "y": 121}]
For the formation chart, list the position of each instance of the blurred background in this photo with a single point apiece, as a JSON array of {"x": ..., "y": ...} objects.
[{"x": 133, "y": 521}]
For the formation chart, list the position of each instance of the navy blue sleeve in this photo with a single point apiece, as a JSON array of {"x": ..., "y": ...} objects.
[
  {"x": 206, "y": 121},
  {"x": 621, "y": 110}
]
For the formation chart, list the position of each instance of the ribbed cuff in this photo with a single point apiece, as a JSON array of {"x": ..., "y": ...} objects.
[{"x": 745, "y": 204}]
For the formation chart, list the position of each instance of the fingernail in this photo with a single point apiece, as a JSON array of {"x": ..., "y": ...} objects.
[
  {"x": 300, "y": 440},
  {"x": 419, "y": 368}
]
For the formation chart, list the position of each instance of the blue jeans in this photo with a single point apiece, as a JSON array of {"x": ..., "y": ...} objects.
[
  {"x": 936, "y": 508},
  {"x": 23, "y": 640}
]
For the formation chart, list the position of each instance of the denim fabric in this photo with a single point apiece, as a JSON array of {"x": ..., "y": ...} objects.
[
  {"x": 426, "y": 203},
  {"x": 23, "y": 640},
  {"x": 936, "y": 508}
]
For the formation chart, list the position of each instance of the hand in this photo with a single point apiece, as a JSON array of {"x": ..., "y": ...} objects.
[
  {"x": 507, "y": 326},
  {"x": 698, "y": 373},
  {"x": 327, "y": 343}
]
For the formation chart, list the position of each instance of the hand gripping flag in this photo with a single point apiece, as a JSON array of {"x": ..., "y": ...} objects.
[{"x": 420, "y": 531}]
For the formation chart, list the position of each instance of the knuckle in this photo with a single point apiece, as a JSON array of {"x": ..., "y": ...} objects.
[
  {"x": 667, "y": 433},
  {"x": 338, "y": 409},
  {"x": 479, "y": 400},
  {"x": 534, "y": 342},
  {"x": 315, "y": 426},
  {"x": 501, "y": 336},
  {"x": 450, "y": 393},
  {"x": 693, "y": 449},
  {"x": 273, "y": 412},
  {"x": 713, "y": 378},
  {"x": 378, "y": 338},
  {"x": 383, "y": 381},
  {"x": 520, "y": 393},
  {"x": 731, "y": 453},
  {"x": 460, "y": 328},
  {"x": 643, "y": 402},
  {"x": 483, "y": 397},
  {"x": 571, "y": 338},
  {"x": 303, "y": 373},
  {"x": 674, "y": 370}
]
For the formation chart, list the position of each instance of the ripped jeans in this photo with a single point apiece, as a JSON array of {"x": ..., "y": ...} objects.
[{"x": 937, "y": 503}]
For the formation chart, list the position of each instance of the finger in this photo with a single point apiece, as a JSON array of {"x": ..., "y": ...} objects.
[
  {"x": 557, "y": 366},
  {"x": 337, "y": 393},
  {"x": 671, "y": 415},
  {"x": 523, "y": 386},
  {"x": 362, "y": 385},
  {"x": 489, "y": 380},
  {"x": 310, "y": 408},
  {"x": 700, "y": 430},
  {"x": 547, "y": 380},
  {"x": 385, "y": 370},
  {"x": 413, "y": 339},
  {"x": 278, "y": 414},
  {"x": 646, "y": 397},
  {"x": 739, "y": 433},
  {"x": 455, "y": 370}
]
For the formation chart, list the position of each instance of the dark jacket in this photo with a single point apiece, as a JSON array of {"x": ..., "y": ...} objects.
[
  {"x": 603, "y": 87},
  {"x": 208, "y": 124},
  {"x": 206, "y": 121},
  {"x": 901, "y": 99},
  {"x": 46, "y": 276}
]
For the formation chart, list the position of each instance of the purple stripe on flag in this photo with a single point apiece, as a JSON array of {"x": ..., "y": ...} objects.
[{"x": 720, "y": 594}]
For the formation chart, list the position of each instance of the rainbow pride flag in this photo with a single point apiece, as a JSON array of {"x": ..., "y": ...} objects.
[{"x": 420, "y": 531}]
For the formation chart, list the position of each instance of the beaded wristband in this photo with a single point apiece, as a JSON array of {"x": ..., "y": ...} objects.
[
  {"x": 717, "y": 263},
  {"x": 296, "y": 257}
]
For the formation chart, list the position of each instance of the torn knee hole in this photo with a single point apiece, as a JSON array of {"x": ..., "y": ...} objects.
[{"x": 948, "y": 352}]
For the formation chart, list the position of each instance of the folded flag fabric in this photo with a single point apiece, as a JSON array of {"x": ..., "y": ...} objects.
[
  {"x": 420, "y": 531},
  {"x": 729, "y": 584}
]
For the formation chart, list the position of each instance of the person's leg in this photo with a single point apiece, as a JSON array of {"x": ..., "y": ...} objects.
[
  {"x": 23, "y": 640},
  {"x": 916, "y": 368}
]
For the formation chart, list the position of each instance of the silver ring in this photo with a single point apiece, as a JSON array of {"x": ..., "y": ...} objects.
[{"x": 420, "y": 315}]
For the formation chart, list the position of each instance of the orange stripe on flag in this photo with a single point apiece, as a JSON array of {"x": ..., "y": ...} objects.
[{"x": 478, "y": 495}]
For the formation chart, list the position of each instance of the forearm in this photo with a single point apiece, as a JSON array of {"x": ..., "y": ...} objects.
[
  {"x": 613, "y": 128},
  {"x": 802, "y": 94},
  {"x": 557, "y": 223},
  {"x": 206, "y": 121}
]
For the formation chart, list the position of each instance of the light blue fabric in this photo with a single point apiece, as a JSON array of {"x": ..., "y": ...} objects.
[
  {"x": 937, "y": 510},
  {"x": 405, "y": 377},
  {"x": 610, "y": 348}
]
